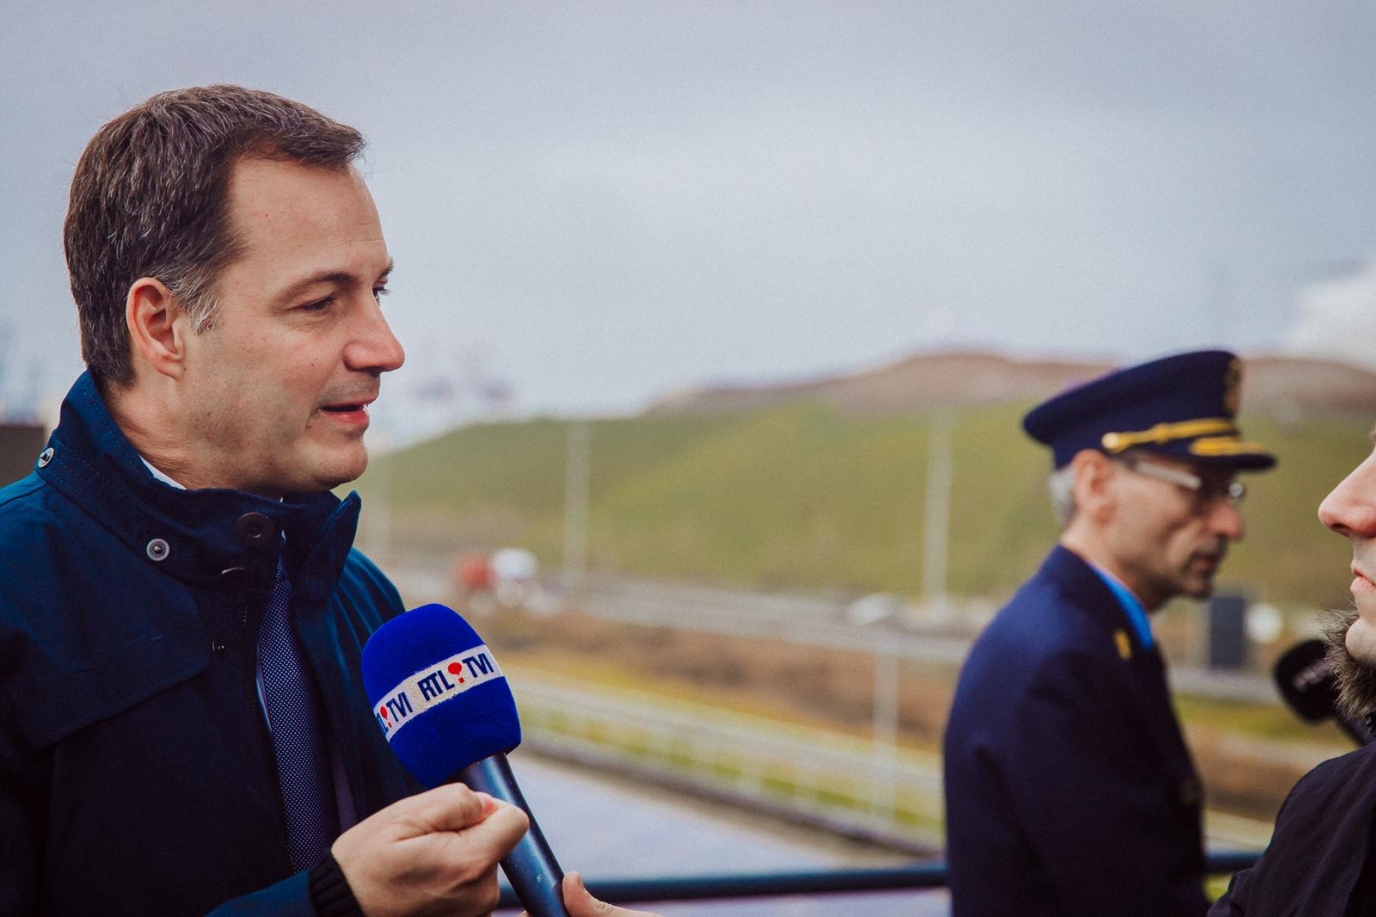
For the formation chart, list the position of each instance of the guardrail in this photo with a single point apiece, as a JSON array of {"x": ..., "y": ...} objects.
[
  {"x": 918, "y": 876},
  {"x": 852, "y": 786}
]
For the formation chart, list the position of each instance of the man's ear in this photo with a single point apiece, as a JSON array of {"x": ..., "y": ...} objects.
[
  {"x": 158, "y": 326},
  {"x": 1095, "y": 493}
]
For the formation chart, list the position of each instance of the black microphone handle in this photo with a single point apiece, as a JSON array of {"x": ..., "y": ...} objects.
[
  {"x": 531, "y": 868},
  {"x": 1355, "y": 728}
]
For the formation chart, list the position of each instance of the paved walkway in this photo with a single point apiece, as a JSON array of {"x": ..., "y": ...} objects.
[{"x": 609, "y": 829}]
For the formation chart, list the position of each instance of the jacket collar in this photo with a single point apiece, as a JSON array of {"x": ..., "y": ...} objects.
[
  {"x": 213, "y": 537},
  {"x": 1087, "y": 590}
]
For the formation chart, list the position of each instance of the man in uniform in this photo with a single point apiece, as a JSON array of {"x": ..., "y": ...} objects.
[
  {"x": 1320, "y": 860},
  {"x": 183, "y": 726},
  {"x": 1069, "y": 789}
]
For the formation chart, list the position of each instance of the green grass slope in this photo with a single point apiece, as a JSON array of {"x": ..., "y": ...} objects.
[{"x": 805, "y": 496}]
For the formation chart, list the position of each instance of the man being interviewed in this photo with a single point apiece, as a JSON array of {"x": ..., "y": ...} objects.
[
  {"x": 1069, "y": 789},
  {"x": 183, "y": 725}
]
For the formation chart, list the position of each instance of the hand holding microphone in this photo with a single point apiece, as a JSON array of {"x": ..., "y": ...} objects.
[
  {"x": 448, "y": 713},
  {"x": 433, "y": 853},
  {"x": 582, "y": 904}
]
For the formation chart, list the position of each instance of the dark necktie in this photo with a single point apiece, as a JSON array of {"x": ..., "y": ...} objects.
[{"x": 296, "y": 718}]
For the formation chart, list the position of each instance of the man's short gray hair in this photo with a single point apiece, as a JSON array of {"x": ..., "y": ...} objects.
[{"x": 1061, "y": 486}]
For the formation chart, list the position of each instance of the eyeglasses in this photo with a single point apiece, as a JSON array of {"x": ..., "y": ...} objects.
[{"x": 1207, "y": 491}]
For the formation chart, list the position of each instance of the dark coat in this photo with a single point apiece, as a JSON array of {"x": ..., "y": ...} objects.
[
  {"x": 1313, "y": 865},
  {"x": 136, "y": 773},
  {"x": 1069, "y": 789}
]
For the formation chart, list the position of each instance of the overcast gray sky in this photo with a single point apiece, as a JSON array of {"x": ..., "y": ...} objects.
[{"x": 602, "y": 203}]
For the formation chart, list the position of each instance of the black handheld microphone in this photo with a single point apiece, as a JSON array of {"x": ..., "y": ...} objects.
[
  {"x": 1310, "y": 687},
  {"x": 447, "y": 711}
]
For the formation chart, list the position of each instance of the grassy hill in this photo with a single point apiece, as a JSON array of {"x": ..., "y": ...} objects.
[{"x": 807, "y": 495}]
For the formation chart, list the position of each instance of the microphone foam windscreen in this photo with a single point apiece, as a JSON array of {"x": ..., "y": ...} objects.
[
  {"x": 1306, "y": 680},
  {"x": 438, "y": 694}
]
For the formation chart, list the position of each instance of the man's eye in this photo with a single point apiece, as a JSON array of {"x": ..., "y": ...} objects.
[
  {"x": 320, "y": 305},
  {"x": 379, "y": 292}
]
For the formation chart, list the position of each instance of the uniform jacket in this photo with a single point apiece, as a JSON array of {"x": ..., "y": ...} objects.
[
  {"x": 1069, "y": 789},
  {"x": 1313, "y": 865},
  {"x": 136, "y": 772}
]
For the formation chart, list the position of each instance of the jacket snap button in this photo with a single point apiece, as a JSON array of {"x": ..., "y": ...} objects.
[
  {"x": 158, "y": 550},
  {"x": 45, "y": 457},
  {"x": 219, "y": 649},
  {"x": 254, "y": 529}
]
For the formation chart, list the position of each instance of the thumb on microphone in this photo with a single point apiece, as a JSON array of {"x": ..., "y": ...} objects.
[
  {"x": 434, "y": 852},
  {"x": 499, "y": 826},
  {"x": 581, "y": 903}
]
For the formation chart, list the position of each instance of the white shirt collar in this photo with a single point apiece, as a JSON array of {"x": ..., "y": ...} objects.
[{"x": 160, "y": 476}]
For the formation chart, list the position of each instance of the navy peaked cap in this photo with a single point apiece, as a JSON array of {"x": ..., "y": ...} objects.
[{"x": 1184, "y": 405}]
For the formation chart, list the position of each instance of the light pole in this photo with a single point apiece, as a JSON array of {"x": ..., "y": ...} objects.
[
  {"x": 577, "y": 471},
  {"x": 936, "y": 530}
]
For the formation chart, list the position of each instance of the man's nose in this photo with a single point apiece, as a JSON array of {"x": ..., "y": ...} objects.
[
  {"x": 374, "y": 347},
  {"x": 1225, "y": 518},
  {"x": 1350, "y": 509}
]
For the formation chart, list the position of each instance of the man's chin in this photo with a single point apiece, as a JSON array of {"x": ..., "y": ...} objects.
[
  {"x": 1356, "y": 679},
  {"x": 333, "y": 470},
  {"x": 1198, "y": 589}
]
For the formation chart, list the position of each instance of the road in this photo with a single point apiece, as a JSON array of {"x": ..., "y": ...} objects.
[{"x": 911, "y": 632}]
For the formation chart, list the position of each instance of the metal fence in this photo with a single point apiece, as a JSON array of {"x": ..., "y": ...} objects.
[
  {"x": 929, "y": 875},
  {"x": 848, "y": 785},
  {"x": 870, "y": 790}
]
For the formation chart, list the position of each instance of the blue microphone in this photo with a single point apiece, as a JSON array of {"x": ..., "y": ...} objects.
[{"x": 447, "y": 711}]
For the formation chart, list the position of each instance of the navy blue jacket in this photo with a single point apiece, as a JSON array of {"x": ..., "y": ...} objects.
[
  {"x": 136, "y": 773},
  {"x": 1069, "y": 789},
  {"x": 1322, "y": 842}
]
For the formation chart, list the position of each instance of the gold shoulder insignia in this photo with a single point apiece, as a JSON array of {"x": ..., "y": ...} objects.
[{"x": 1120, "y": 637}]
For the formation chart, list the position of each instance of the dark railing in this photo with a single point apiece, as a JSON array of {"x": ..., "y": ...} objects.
[{"x": 916, "y": 876}]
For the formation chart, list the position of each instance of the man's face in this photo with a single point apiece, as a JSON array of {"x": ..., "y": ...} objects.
[
  {"x": 1167, "y": 539},
  {"x": 274, "y": 396},
  {"x": 1351, "y": 510}
]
